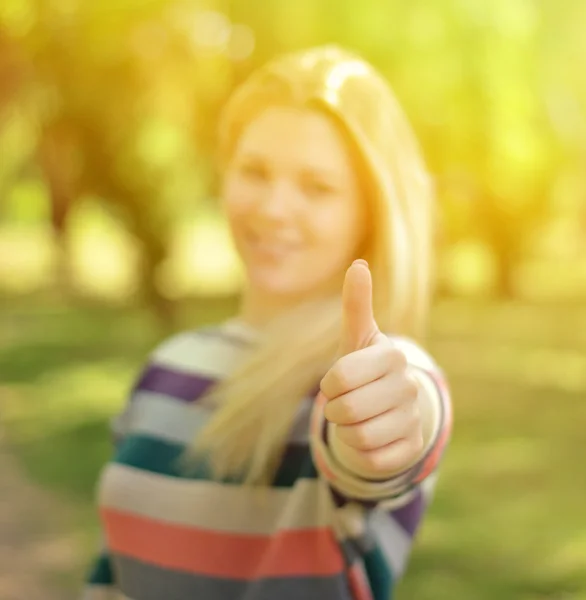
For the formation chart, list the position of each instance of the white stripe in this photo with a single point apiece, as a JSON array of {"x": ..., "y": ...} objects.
[
  {"x": 164, "y": 417},
  {"x": 215, "y": 506},
  {"x": 350, "y": 521},
  {"x": 393, "y": 540},
  {"x": 399, "y": 501},
  {"x": 236, "y": 328},
  {"x": 428, "y": 486},
  {"x": 212, "y": 356},
  {"x": 356, "y": 522},
  {"x": 101, "y": 592},
  {"x": 172, "y": 420},
  {"x": 300, "y": 430}
]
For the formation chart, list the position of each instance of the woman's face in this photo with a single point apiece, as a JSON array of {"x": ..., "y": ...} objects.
[{"x": 294, "y": 203}]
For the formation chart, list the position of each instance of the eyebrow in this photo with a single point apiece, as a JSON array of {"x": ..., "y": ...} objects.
[{"x": 305, "y": 170}]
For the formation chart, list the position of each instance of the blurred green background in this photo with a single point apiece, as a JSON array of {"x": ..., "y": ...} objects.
[{"x": 110, "y": 238}]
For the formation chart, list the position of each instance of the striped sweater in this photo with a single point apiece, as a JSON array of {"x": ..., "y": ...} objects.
[{"x": 319, "y": 533}]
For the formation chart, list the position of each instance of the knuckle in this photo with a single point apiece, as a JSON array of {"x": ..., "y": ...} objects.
[
  {"x": 411, "y": 389},
  {"x": 388, "y": 352},
  {"x": 402, "y": 455},
  {"x": 397, "y": 359},
  {"x": 378, "y": 461},
  {"x": 416, "y": 444},
  {"x": 351, "y": 410},
  {"x": 374, "y": 462},
  {"x": 413, "y": 414},
  {"x": 358, "y": 437},
  {"x": 340, "y": 375},
  {"x": 411, "y": 425},
  {"x": 364, "y": 437},
  {"x": 331, "y": 412},
  {"x": 341, "y": 411},
  {"x": 325, "y": 387}
]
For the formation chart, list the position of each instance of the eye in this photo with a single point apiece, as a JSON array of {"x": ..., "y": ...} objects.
[
  {"x": 253, "y": 171},
  {"x": 317, "y": 189}
]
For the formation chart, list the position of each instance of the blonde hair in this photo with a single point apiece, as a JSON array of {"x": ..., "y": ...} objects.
[{"x": 257, "y": 403}]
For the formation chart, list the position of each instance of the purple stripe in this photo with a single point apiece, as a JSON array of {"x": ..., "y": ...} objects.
[
  {"x": 418, "y": 468},
  {"x": 409, "y": 516},
  {"x": 182, "y": 386}
]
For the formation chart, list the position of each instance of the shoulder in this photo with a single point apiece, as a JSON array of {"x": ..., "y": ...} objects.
[
  {"x": 184, "y": 365},
  {"x": 180, "y": 369},
  {"x": 206, "y": 351}
]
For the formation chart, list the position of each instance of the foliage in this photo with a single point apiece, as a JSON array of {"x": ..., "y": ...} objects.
[{"x": 125, "y": 96}]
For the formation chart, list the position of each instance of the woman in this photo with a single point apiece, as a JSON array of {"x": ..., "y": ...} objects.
[{"x": 290, "y": 453}]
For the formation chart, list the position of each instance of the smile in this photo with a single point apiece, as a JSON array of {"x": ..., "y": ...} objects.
[{"x": 271, "y": 248}]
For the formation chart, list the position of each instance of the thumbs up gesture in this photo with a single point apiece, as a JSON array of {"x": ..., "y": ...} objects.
[{"x": 371, "y": 398}]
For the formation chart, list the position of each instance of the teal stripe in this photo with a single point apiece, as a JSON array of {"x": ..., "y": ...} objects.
[
  {"x": 158, "y": 456},
  {"x": 164, "y": 457},
  {"x": 296, "y": 464},
  {"x": 379, "y": 574},
  {"x": 101, "y": 573}
]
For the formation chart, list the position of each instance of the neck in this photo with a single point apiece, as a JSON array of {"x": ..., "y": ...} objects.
[{"x": 258, "y": 308}]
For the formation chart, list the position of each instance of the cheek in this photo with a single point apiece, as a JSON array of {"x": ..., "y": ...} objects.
[
  {"x": 345, "y": 232},
  {"x": 237, "y": 200}
]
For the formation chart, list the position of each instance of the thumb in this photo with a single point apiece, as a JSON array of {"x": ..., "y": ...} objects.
[{"x": 358, "y": 324}]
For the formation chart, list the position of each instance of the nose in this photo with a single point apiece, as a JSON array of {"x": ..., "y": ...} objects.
[{"x": 279, "y": 202}]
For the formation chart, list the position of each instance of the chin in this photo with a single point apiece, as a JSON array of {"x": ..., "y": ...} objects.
[
  {"x": 277, "y": 287},
  {"x": 281, "y": 284}
]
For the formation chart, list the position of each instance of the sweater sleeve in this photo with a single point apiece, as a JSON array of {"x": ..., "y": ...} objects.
[{"x": 397, "y": 490}]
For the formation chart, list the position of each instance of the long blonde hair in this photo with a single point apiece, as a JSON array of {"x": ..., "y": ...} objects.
[{"x": 259, "y": 400}]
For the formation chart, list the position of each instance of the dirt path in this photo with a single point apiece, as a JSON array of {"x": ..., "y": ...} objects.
[{"x": 32, "y": 545}]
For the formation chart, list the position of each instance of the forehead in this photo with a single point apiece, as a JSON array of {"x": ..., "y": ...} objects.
[{"x": 301, "y": 137}]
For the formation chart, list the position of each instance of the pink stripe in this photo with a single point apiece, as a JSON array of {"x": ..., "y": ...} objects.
[
  {"x": 288, "y": 553},
  {"x": 432, "y": 461},
  {"x": 322, "y": 466},
  {"x": 359, "y": 583}
]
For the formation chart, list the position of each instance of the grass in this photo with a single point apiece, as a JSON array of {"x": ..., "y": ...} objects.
[{"x": 508, "y": 518}]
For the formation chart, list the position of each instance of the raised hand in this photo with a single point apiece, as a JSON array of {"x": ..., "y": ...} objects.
[{"x": 372, "y": 399}]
